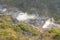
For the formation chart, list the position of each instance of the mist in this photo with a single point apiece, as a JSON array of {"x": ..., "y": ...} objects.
[{"x": 24, "y": 16}]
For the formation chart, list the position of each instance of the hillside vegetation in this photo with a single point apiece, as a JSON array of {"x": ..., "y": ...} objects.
[
  {"x": 18, "y": 31},
  {"x": 21, "y": 31}
]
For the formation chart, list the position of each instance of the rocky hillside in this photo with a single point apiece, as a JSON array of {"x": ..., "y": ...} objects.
[
  {"x": 18, "y": 31},
  {"x": 21, "y": 31},
  {"x": 11, "y": 29}
]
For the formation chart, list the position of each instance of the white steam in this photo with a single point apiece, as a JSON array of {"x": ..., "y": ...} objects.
[
  {"x": 50, "y": 24},
  {"x": 24, "y": 16},
  {"x": 47, "y": 23},
  {"x": 4, "y": 10}
]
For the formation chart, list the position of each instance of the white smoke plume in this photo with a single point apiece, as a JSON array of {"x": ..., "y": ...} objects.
[
  {"x": 24, "y": 16},
  {"x": 50, "y": 24},
  {"x": 47, "y": 23}
]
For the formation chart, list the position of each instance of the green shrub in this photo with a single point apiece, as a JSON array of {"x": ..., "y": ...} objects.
[{"x": 56, "y": 31}]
